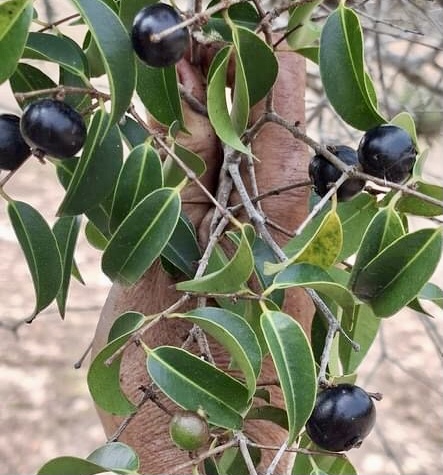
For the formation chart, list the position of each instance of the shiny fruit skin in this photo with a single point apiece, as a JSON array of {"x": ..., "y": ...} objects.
[
  {"x": 152, "y": 20},
  {"x": 53, "y": 127},
  {"x": 188, "y": 430},
  {"x": 342, "y": 417},
  {"x": 387, "y": 152},
  {"x": 323, "y": 173},
  {"x": 13, "y": 149}
]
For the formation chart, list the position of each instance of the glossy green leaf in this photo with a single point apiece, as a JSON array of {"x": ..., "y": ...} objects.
[
  {"x": 158, "y": 90},
  {"x": 56, "y": 49},
  {"x": 66, "y": 231},
  {"x": 314, "y": 277},
  {"x": 142, "y": 236},
  {"x": 384, "y": 228},
  {"x": 133, "y": 133},
  {"x": 115, "y": 51},
  {"x": 140, "y": 175},
  {"x": 322, "y": 249},
  {"x": 231, "y": 276},
  {"x": 240, "y": 96},
  {"x": 193, "y": 384},
  {"x": 232, "y": 461},
  {"x": 302, "y": 32},
  {"x": 295, "y": 366},
  {"x": 97, "y": 170},
  {"x": 355, "y": 216},
  {"x": 431, "y": 293},
  {"x": 406, "y": 121},
  {"x": 79, "y": 102},
  {"x": 40, "y": 249},
  {"x": 342, "y": 70},
  {"x": 217, "y": 106},
  {"x": 182, "y": 249},
  {"x": 395, "y": 276},
  {"x": 259, "y": 63},
  {"x": 104, "y": 380},
  {"x": 269, "y": 413},
  {"x": 27, "y": 78},
  {"x": 234, "y": 334},
  {"x": 362, "y": 327},
  {"x": 95, "y": 237},
  {"x": 320, "y": 463},
  {"x": 413, "y": 205},
  {"x": 114, "y": 456},
  {"x": 15, "y": 20},
  {"x": 174, "y": 174}
]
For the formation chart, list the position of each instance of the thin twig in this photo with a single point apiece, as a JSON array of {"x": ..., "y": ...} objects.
[
  {"x": 273, "y": 465},
  {"x": 243, "y": 445}
]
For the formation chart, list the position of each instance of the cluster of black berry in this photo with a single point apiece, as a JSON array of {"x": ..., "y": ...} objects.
[
  {"x": 386, "y": 152},
  {"x": 47, "y": 126}
]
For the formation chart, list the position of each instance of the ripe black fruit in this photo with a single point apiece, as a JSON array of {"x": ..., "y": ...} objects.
[
  {"x": 53, "y": 127},
  {"x": 13, "y": 149},
  {"x": 152, "y": 20},
  {"x": 188, "y": 430},
  {"x": 343, "y": 416},
  {"x": 323, "y": 173},
  {"x": 387, "y": 152}
]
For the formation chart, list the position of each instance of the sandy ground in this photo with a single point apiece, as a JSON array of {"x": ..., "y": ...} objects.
[{"x": 45, "y": 408}]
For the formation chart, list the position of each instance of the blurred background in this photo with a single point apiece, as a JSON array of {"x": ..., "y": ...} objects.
[{"x": 45, "y": 408}]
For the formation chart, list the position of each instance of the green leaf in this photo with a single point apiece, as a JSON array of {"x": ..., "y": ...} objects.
[
  {"x": 97, "y": 170},
  {"x": 140, "y": 175},
  {"x": 302, "y": 32},
  {"x": 142, "y": 236},
  {"x": 103, "y": 380},
  {"x": 342, "y": 70},
  {"x": 295, "y": 366},
  {"x": 66, "y": 231},
  {"x": 240, "y": 97},
  {"x": 217, "y": 106},
  {"x": 231, "y": 276},
  {"x": 27, "y": 78},
  {"x": 362, "y": 327},
  {"x": 95, "y": 237},
  {"x": 235, "y": 334},
  {"x": 174, "y": 175},
  {"x": 195, "y": 384},
  {"x": 15, "y": 20},
  {"x": 416, "y": 206},
  {"x": 56, "y": 49},
  {"x": 314, "y": 277},
  {"x": 232, "y": 461},
  {"x": 355, "y": 216},
  {"x": 133, "y": 133},
  {"x": 269, "y": 413},
  {"x": 320, "y": 463},
  {"x": 259, "y": 63},
  {"x": 114, "y": 456},
  {"x": 158, "y": 90},
  {"x": 394, "y": 277},
  {"x": 182, "y": 250},
  {"x": 115, "y": 51},
  {"x": 79, "y": 102},
  {"x": 321, "y": 249},
  {"x": 385, "y": 227},
  {"x": 431, "y": 293},
  {"x": 406, "y": 121},
  {"x": 41, "y": 252}
]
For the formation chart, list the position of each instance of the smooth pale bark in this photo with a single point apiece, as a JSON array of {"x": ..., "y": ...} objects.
[{"x": 283, "y": 160}]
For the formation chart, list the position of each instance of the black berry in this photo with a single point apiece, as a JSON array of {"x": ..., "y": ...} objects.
[
  {"x": 188, "y": 430},
  {"x": 387, "y": 152},
  {"x": 343, "y": 416},
  {"x": 13, "y": 149},
  {"x": 323, "y": 173},
  {"x": 152, "y": 20},
  {"x": 53, "y": 127}
]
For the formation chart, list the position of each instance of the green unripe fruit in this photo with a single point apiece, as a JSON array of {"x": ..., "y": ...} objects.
[{"x": 188, "y": 430}]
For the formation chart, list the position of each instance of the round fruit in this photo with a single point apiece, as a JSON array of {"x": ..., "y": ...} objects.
[
  {"x": 188, "y": 430},
  {"x": 13, "y": 149},
  {"x": 387, "y": 152},
  {"x": 323, "y": 173},
  {"x": 152, "y": 20},
  {"x": 53, "y": 127},
  {"x": 342, "y": 417}
]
